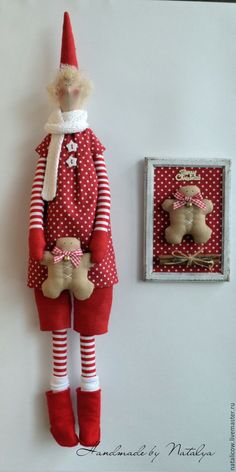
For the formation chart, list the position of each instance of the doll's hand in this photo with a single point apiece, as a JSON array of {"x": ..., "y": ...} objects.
[
  {"x": 98, "y": 245},
  {"x": 37, "y": 244}
]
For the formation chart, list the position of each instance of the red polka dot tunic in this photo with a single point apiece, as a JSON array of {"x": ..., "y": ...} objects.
[{"x": 74, "y": 210}]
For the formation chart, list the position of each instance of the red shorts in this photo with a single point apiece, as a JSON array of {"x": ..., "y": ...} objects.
[{"x": 91, "y": 316}]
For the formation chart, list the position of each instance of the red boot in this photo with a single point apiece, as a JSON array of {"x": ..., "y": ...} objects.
[
  {"x": 89, "y": 410},
  {"x": 62, "y": 418}
]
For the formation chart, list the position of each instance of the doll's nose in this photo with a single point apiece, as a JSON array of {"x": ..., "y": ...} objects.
[
  {"x": 63, "y": 91},
  {"x": 70, "y": 89}
]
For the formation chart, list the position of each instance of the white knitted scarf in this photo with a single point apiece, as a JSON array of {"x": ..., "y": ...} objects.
[{"x": 59, "y": 124}]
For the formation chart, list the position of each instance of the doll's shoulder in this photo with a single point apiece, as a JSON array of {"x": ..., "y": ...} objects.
[
  {"x": 95, "y": 144},
  {"x": 42, "y": 148}
]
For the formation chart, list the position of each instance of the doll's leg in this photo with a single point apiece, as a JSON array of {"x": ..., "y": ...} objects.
[
  {"x": 54, "y": 316},
  {"x": 89, "y": 394},
  {"x": 91, "y": 318},
  {"x": 58, "y": 398},
  {"x": 176, "y": 234},
  {"x": 89, "y": 377},
  {"x": 201, "y": 234},
  {"x": 59, "y": 378}
]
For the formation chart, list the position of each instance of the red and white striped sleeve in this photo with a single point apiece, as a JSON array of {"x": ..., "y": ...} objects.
[
  {"x": 102, "y": 218},
  {"x": 37, "y": 202}
]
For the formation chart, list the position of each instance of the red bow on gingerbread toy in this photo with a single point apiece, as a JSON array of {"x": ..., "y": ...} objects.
[
  {"x": 73, "y": 256},
  {"x": 182, "y": 199}
]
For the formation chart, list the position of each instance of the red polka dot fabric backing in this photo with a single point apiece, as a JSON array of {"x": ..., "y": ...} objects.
[
  {"x": 165, "y": 184},
  {"x": 72, "y": 212}
]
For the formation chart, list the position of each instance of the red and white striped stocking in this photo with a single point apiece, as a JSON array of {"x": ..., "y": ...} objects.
[
  {"x": 59, "y": 379},
  {"x": 89, "y": 377}
]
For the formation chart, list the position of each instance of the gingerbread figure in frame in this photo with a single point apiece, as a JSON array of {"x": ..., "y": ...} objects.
[
  {"x": 188, "y": 211},
  {"x": 71, "y": 199}
]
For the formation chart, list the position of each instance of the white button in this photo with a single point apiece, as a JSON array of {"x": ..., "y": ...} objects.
[
  {"x": 72, "y": 146},
  {"x": 71, "y": 161}
]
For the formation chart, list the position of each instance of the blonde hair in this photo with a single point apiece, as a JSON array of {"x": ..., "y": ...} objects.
[{"x": 68, "y": 73}]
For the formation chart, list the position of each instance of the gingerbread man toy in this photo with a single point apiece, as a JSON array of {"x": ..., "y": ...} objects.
[
  {"x": 187, "y": 213},
  {"x": 67, "y": 270}
]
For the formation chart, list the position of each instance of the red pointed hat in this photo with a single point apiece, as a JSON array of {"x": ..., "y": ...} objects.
[{"x": 68, "y": 51}]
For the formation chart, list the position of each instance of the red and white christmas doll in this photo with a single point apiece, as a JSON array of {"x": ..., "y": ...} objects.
[{"x": 71, "y": 198}]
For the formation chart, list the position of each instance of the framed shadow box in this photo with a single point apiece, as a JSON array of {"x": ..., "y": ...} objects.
[{"x": 186, "y": 219}]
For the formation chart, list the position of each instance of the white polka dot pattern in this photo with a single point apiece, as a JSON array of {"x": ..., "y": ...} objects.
[
  {"x": 73, "y": 211},
  {"x": 165, "y": 185}
]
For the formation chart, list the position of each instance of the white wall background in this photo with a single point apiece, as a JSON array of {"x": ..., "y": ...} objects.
[{"x": 165, "y": 85}]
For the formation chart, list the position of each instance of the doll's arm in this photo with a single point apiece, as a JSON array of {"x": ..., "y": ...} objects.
[
  {"x": 36, "y": 230},
  {"x": 99, "y": 240},
  {"x": 104, "y": 196},
  {"x": 167, "y": 204},
  {"x": 209, "y": 206}
]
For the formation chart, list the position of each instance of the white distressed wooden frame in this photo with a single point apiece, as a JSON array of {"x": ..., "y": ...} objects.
[{"x": 149, "y": 274}]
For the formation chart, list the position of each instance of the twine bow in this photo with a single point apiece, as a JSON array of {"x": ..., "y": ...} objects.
[
  {"x": 178, "y": 257},
  {"x": 73, "y": 256},
  {"x": 182, "y": 199}
]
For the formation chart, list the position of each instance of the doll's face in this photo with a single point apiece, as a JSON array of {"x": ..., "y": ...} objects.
[
  {"x": 68, "y": 244},
  {"x": 68, "y": 93},
  {"x": 189, "y": 190},
  {"x": 70, "y": 88}
]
